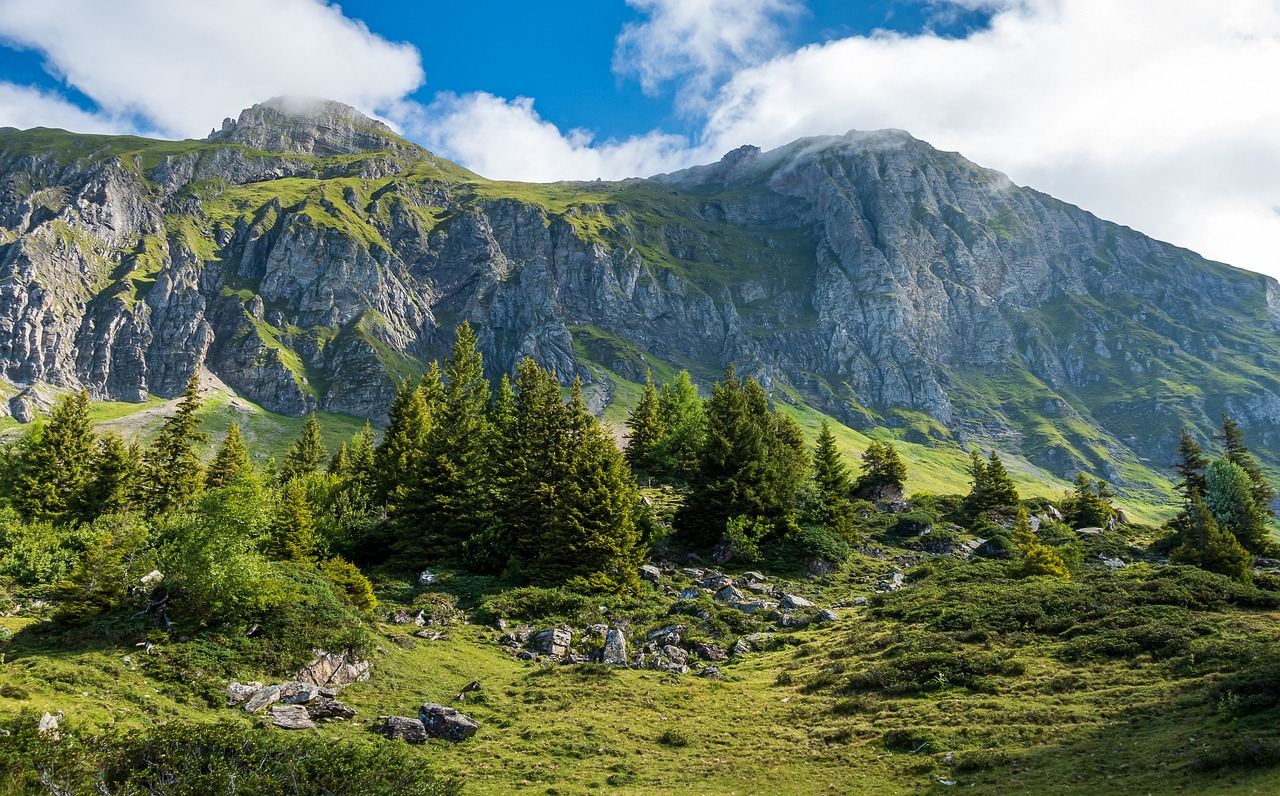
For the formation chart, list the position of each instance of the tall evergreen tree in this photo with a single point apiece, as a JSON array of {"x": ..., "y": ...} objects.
[
  {"x": 829, "y": 469},
  {"x": 293, "y": 534},
  {"x": 172, "y": 467},
  {"x": 881, "y": 467},
  {"x": 1206, "y": 545},
  {"x": 684, "y": 427},
  {"x": 534, "y": 462},
  {"x": 1230, "y": 499},
  {"x": 230, "y": 459},
  {"x": 307, "y": 454},
  {"x": 114, "y": 482},
  {"x": 992, "y": 487},
  {"x": 399, "y": 455},
  {"x": 449, "y": 501},
  {"x": 646, "y": 429},
  {"x": 1236, "y": 452},
  {"x": 54, "y": 463},
  {"x": 1190, "y": 467},
  {"x": 1089, "y": 505}
]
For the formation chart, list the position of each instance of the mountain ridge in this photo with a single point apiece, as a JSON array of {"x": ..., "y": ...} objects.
[{"x": 878, "y": 279}]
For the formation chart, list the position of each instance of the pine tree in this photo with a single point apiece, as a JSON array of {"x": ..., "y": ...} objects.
[
  {"x": 54, "y": 463},
  {"x": 172, "y": 468},
  {"x": 1190, "y": 467},
  {"x": 646, "y": 429},
  {"x": 829, "y": 469},
  {"x": 340, "y": 462},
  {"x": 113, "y": 485},
  {"x": 307, "y": 454},
  {"x": 534, "y": 462},
  {"x": 1236, "y": 452},
  {"x": 361, "y": 460},
  {"x": 882, "y": 467},
  {"x": 684, "y": 424},
  {"x": 1089, "y": 505},
  {"x": 992, "y": 487},
  {"x": 1033, "y": 558},
  {"x": 1230, "y": 499},
  {"x": 399, "y": 455},
  {"x": 1209, "y": 547},
  {"x": 293, "y": 534},
  {"x": 449, "y": 501},
  {"x": 230, "y": 459}
]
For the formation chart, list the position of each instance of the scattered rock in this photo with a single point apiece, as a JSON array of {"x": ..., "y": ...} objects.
[
  {"x": 426, "y": 578},
  {"x": 748, "y": 578},
  {"x": 828, "y": 615},
  {"x": 791, "y": 602},
  {"x": 710, "y": 652},
  {"x": 401, "y": 728},
  {"x": 517, "y": 637},
  {"x": 263, "y": 698},
  {"x": 334, "y": 669},
  {"x": 1088, "y": 531},
  {"x": 240, "y": 693},
  {"x": 858, "y": 601},
  {"x": 691, "y": 593},
  {"x": 650, "y": 573},
  {"x": 711, "y": 673},
  {"x": 755, "y": 606},
  {"x": 330, "y": 710},
  {"x": 693, "y": 573},
  {"x": 740, "y": 648},
  {"x": 669, "y": 635},
  {"x": 676, "y": 655},
  {"x": 723, "y": 552},
  {"x": 757, "y": 641},
  {"x": 292, "y": 717},
  {"x": 821, "y": 566},
  {"x": 48, "y": 726},
  {"x": 553, "y": 641},
  {"x": 440, "y": 721},
  {"x": 597, "y": 630},
  {"x": 615, "y": 649},
  {"x": 730, "y": 594}
]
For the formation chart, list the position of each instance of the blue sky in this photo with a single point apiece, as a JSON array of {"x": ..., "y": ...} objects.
[{"x": 1158, "y": 114}]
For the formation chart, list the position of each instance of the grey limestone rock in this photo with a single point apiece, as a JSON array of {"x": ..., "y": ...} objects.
[
  {"x": 401, "y": 728},
  {"x": 445, "y": 722},
  {"x": 615, "y": 648},
  {"x": 292, "y": 717}
]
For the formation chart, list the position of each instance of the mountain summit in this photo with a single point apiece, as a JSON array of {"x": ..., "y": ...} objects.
[{"x": 311, "y": 258}]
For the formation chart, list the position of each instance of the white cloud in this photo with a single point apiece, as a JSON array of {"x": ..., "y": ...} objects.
[
  {"x": 506, "y": 139},
  {"x": 24, "y": 107},
  {"x": 183, "y": 66},
  {"x": 699, "y": 41}
]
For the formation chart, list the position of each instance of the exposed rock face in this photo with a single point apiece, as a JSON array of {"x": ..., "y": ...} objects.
[
  {"x": 446, "y": 722},
  {"x": 305, "y": 253}
]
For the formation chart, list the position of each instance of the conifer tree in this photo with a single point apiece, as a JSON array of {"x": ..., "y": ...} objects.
[
  {"x": 881, "y": 467},
  {"x": 340, "y": 462},
  {"x": 1229, "y": 498},
  {"x": 449, "y": 500},
  {"x": 307, "y": 454},
  {"x": 992, "y": 487},
  {"x": 684, "y": 425},
  {"x": 293, "y": 534},
  {"x": 1190, "y": 467},
  {"x": 230, "y": 459},
  {"x": 646, "y": 429},
  {"x": 1033, "y": 558},
  {"x": 1236, "y": 452},
  {"x": 534, "y": 462},
  {"x": 54, "y": 462},
  {"x": 829, "y": 469},
  {"x": 1209, "y": 547},
  {"x": 399, "y": 455},
  {"x": 172, "y": 467},
  {"x": 113, "y": 484},
  {"x": 1089, "y": 505}
]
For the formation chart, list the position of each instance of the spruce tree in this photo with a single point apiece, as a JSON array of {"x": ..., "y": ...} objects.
[
  {"x": 1230, "y": 499},
  {"x": 1236, "y": 452},
  {"x": 534, "y": 462},
  {"x": 646, "y": 429},
  {"x": 1089, "y": 505},
  {"x": 307, "y": 454},
  {"x": 54, "y": 463},
  {"x": 399, "y": 456},
  {"x": 684, "y": 425},
  {"x": 829, "y": 469},
  {"x": 113, "y": 485},
  {"x": 340, "y": 462},
  {"x": 992, "y": 487},
  {"x": 230, "y": 459},
  {"x": 171, "y": 466},
  {"x": 1209, "y": 547},
  {"x": 1190, "y": 467},
  {"x": 293, "y": 534},
  {"x": 1033, "y": 558},
  {"x": 361, "y": 461},
  {"x": 449, "y": 500},
  {"x": 881, "y": 467}
]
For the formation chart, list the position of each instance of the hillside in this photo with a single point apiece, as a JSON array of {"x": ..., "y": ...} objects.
[{"x": 311, "y": 258}]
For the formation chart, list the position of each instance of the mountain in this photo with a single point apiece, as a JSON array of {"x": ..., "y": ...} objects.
[{"x": 311, "y": 258}]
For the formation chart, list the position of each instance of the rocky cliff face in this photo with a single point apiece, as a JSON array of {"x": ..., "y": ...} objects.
[{"x": 311, "y": 258}]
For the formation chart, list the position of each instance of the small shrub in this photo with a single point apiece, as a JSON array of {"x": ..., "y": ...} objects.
[
  {"x": 675, "y": 738},
  {"x": 14, "y": 691}
]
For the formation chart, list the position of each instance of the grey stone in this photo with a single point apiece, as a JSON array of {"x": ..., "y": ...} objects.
[
  {"x": 792, "y": 602},
  {"x": 403, "y": 728},
  {"x": 48, "y": 725},
  {"x": 667, "y": 635},
  {"x": 292, "y": 717},
  {"x": 333, "y": 669},
  {"x": 263, "y": 698},
  {"x": 708, "y": 651},
  {"x": 239, "y": 693},
  {"x": 445, "y": 722},
  {"x": 325, "y": 709},
  {"x": 730, "y": 594},
  {"x": 828, "y": 615},
  {"x": 615, "y": 649},
  {"x": 426, "y": 578},
  {"x": 553, "y": 641},
  {"x": 650, "y": 573}
]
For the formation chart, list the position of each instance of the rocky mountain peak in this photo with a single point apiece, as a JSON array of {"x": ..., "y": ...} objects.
[{"x": 307, "y": 126}]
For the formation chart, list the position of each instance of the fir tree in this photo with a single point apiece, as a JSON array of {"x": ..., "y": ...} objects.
[
  {"x": 354, "y": 584},
  {"x": 1209, "y": 547},
  {"x": 54, "y": 463},
  {"x": 646, "y": 429},
  {"x": 1236, "y": 452},
  {"x": 882, "y": 467},
  {"x": 1033, "y": 558},
  {"x": 829, "y": 469},
  {"x": 1230, "y": 499},
  {"x": 1089, "y": 505},
  {"x": 1190, "y": 467},
  {"x": 449, "y": 501},
  {"x": 340, "y": 462},
  {"x": 114, "y": 483},
  {"x": 307, "y": 454},
  {"x": 399, "y": 455},
  {"x": 172, "y": 468},
  {"x": 533, "y": 463},
  {"x": 684, "y": 424},
  {"x": 230, "y": 459},
  {"x": 992, "y": 487},
  {"x": 293, "y": 534}
]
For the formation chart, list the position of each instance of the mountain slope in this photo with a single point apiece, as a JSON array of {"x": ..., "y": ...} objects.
[{"x": 311, "y": 258}]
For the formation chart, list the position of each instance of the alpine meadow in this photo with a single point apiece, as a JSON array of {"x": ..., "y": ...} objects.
[{"x": 329, "y": 466}]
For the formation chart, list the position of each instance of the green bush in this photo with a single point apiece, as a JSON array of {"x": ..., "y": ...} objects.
[
  {"x": 801, "y": 544},
  {"x": 533, "y": 603}
]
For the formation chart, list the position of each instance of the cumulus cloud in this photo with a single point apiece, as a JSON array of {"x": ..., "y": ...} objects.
[
  {"x": 178, "y": 67},
  {"x": 699, "y": 41},
  {"x": 24, "y": 107},
  {"x": 507, "y": 139}
]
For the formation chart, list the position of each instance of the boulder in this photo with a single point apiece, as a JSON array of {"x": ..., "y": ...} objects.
[
  {"x": 264, "y": 697},
  {"x": 791, "y": 602},
  {"x": 650, "y": 573},
  {"x": 426, "y": 578},
  {"x": 296, "y": 693},
  {"x": 676, "y": 655},
  {"x": 240, "y": 693},
  {"x": 748, "y": 578},
  {"x": 740, "y": 648},
  {"x": 667, "y": 635},
  {"x": 615, "y": 649},
  {"x": 714, "y": 581},
  {"x": 333, "y": 669},
  {"x": 755, "y": 606},
  {"x": 691, "y": 593},
  {"x": 1088, "y": 531},
  {"x": 440, "y": 721},
  {"x": 821, "y": 566},
  {"x": 401, "y": 728},
  {"x": 553, "y": 641},
  {"x": 710, "y": 652},
  {"x": 48, "y": 726},
  {"x": 292, "y": 717},
  {"x": 730, "y": 594},
  {"x": 828, "y": 615},
  {"x": 330, "y": 710}
]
